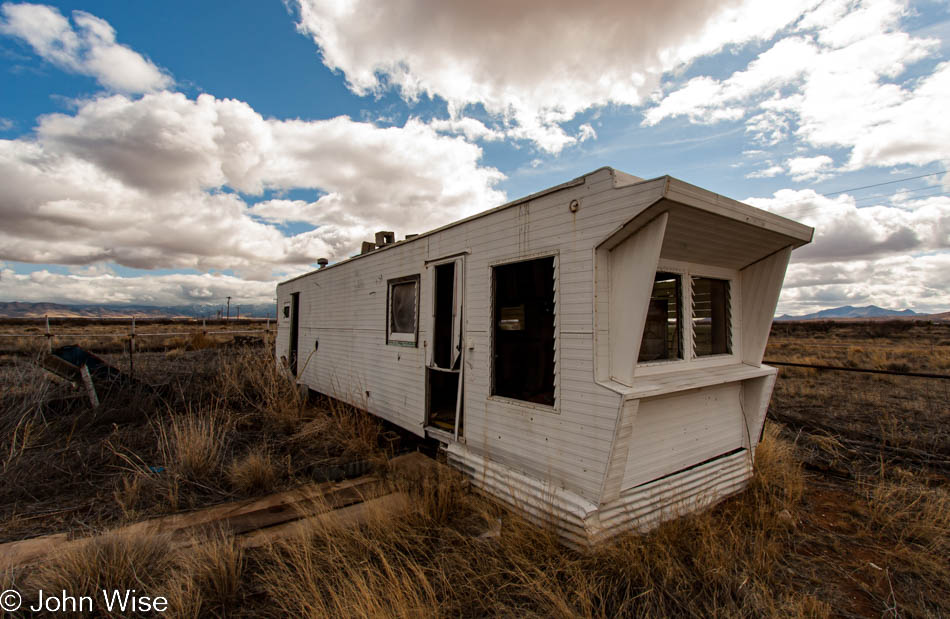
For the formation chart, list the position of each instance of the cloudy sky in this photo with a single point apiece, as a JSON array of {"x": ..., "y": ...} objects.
[{"x": 180, "y": 152}]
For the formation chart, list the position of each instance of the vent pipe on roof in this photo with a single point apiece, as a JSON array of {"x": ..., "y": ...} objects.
[
  {"x": 385, "y": 237},
  {"x": 322, "y": 262}
]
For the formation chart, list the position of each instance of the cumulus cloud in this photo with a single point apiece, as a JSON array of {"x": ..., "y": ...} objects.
[
  {"x": 893, "y": 255},
  {"x": 535, "y": 65},
  {"x": 769, "y": 172},
  {"x": 835, "y": 82},
  {"x": 917, "y": 282},
  {"x": 809, "y": 168},
  {"x": 845, "y": 232},
  {"x": 87, "y": 46},
  {"x": 109, "y": 289},
  {"x": 152, "y": 183}
]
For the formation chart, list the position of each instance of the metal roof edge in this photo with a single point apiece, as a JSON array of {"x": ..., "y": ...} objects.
[
  {"x": 580, "y": 180},
  {"x": 735, "y": 209}
]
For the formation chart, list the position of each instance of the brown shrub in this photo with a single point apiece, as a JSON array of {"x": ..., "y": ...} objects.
[
  {"x": 193, "y": 445},
  {"x": 254, "y": 472},
  {"x": 208, "y": 577},
  {"x": 110, "y": 562}
]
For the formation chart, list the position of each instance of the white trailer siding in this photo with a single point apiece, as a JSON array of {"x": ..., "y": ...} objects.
[
  {"x": 345, "y": 311},
  {"x": 607, "y": 433}
]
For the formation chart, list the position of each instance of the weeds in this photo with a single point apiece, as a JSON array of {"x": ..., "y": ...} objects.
[
  {"x": 194, "y": 445},
  {"x": 847, "y": 512},
  {"x": 255, "y": 472},
  {"x": 207, "y": 578},
  {"x": 115, "y": 562}
]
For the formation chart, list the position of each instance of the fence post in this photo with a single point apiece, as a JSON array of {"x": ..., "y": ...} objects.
[
  {"x": 49, "y": 337},
  {"x": 132, "y": 350}
]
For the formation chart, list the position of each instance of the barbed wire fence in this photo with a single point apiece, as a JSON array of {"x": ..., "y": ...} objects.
[{"x": 132, "y": 334}]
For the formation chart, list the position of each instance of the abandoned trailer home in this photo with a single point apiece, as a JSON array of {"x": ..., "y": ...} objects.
[{"x": 591, "y": 353}]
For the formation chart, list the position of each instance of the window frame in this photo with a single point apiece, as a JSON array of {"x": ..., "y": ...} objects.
[
  {"x": 514, "y": 402},
  {"x": 690, "y": 361},
  {"x": 692, "y": 325},
  {"x": 398, "y": 338},
  {"x": 680, "y": 320}
]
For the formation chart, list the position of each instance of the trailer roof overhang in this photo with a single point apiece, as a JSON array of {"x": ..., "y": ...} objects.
[{"x": 707, "y": 228}]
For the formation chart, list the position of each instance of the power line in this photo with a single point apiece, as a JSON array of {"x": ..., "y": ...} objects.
[
  {"x": 808, "y": 208},
  {"x": 900, "y": 180},
  {"x": 885, "y": 195},
  {"x": 804, "y": 209}
]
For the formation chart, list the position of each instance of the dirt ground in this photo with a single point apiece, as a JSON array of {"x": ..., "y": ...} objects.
[{"x": 871, "y": 445}]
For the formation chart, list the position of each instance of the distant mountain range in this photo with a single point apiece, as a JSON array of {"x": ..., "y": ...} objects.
[
  {"x": 17, "y": 309},
  {"x": 849, "y": 312}
]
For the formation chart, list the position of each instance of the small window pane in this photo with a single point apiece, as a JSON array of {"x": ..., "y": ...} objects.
[
  {"x": 712, "y": 326},
  {"x": 662, "y": 334},
  {"x": 403, "y": 308}
]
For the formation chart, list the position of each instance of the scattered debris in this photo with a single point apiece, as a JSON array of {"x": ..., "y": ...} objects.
[{"x": 91, "y": 371}]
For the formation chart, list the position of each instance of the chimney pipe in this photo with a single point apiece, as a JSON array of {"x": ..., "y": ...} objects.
[
  {"x": 385, "y": 237},
  {"x": 322, "y": 262}
]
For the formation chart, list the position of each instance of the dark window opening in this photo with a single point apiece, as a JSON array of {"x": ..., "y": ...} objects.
[
  {"x": 662, "y": 333},
  {"x": 712, "y": 324},
  {"x": 444, "y": 305},
  {"x": 523, "y": 362},
  {"x": 403, "y": 312}
]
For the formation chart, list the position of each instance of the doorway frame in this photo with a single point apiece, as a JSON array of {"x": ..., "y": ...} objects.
[{"x": 458, "y": 309}]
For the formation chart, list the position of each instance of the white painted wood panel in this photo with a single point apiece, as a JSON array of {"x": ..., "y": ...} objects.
[
  {"x": 632, "y": 266},
  {"x": 677, "y": 431},
  {"x": 761, "y": 285}
]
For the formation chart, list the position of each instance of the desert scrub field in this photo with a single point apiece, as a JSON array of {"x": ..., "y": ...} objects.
[
  {"x": 27, "y": 336},
  {"x": 225, "y": 425},
  {"x": 848, "y": 513}
]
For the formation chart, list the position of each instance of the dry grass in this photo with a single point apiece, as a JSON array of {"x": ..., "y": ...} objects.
[
  {"x": 848, "y": 513},
  {"x": 208, "y": 578},
  {"x": 434, "y": 562},
  {"x": 197, "y": 580},
  {"x": 254, "y": 472},
  {"x": 116, "y": 562},
  {"x": 197, "y": 442},
  {"x": 194, "y": 445}
]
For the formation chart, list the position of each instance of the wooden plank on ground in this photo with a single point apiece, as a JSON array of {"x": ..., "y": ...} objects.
[
  {"x": 352, "y": 515},
  {"x": 236, "y": 518}
]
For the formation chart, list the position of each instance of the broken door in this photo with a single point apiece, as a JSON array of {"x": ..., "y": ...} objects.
[{"x": 445, "y": 367}]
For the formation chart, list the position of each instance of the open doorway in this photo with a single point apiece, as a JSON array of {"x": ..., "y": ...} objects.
[{"x": 444, "y": 372}]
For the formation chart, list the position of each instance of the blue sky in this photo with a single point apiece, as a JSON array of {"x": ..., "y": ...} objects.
[{"x": 177, "y": 153}]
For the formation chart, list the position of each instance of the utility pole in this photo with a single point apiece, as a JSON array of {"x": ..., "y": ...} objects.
[{"x": 229, "y": 309}]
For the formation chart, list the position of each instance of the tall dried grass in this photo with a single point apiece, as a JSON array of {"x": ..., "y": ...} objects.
[
  {"x": 254, "y": 382},
  {"x": 207, "y": 579},
  {"x": 433, "y": 560},
  {"x": 194, "y": 445},
  {"x": 255, "y": 471},
  {"x": 112, "y": 562}
]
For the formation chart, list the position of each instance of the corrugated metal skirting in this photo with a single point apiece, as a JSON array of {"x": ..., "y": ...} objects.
[{"x": 582, "y": 523}]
